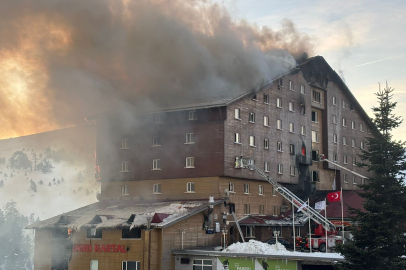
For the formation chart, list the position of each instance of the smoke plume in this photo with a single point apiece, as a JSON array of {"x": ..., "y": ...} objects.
[{"x": 61, "y": 61}]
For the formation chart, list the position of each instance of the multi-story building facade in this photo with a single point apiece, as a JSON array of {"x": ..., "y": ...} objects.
[{"x": 187, "y": 152}]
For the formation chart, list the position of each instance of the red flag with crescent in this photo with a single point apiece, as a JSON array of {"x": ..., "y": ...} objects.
[{"x": 334, "y": 196}]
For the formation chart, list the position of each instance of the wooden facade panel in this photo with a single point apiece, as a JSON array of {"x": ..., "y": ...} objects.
[{"x": 43, "y": 249}]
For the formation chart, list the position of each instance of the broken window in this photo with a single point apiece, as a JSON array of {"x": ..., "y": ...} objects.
[{"x": 134, "y": 233}]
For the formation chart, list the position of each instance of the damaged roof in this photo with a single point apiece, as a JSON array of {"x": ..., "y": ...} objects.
[
  {"x": 285, "y": 219},
  {"x": 125, "y": 214}
]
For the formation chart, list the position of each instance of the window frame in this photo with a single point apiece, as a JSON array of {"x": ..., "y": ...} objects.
[
  {"x": 252, "y": 141},
  {"x": 279, "y": 147},
  {"x": 335, "y": 138},
  {"x": 303, "y": 130},
  {"x": 316, "y": 96},
  {"x": 280, "y": 168},
  {"x": 156, "y": 164},
  {"x": 202, "y": 265},
  {"x": 315, "y": 136},
  {"x": 158, "y": 118},
  {"x": 291, "y": 127},
  {"x": 266, "y": 98},
  {"x": 266, "y": 166},
  {"x": 190, "y": 187},
  {"x": 344, "y": 140},
  {"x": 231, "y": 187},
  {"x": 137, "y": 265},
  {"x": 278, "y": 103},
  {"x": 192, "y": 116},
  {"x": 334, "y": 101},
  {"x": 237, "y": 113},
  {"x": 266, "y": 143},
  {"x": 344, "y": 122},
  {"x": 279, "y": 124},
  {"x": 190, "y": 138},
  {"x": 334, "y": 119},
  {"x": 156, "y": 141},
  {"x": 292, "y": 170},
  {"x": 302, "y": 89},
  {"x": 246, "y": 188},
  {"x": 260, "y": 190},
  {"x": 291, "y": 106},
  {"x": 247, "y": 209},
  {"x": 124, "y": 143},
  {"x": 315, "y": 116},
  {"x": 291, "y": 149},
  {"x": 266, "y": 121},
  {"x": 124, "y": 166},
  {"x": 156, "y": 188},
  {"x": 251, "y": 117},
  {"x": 125, "y": 190},
  {"x": 191, "y": 162},
  {"x": 291, "y": 85},
  {"x": 237, "y": 138}
]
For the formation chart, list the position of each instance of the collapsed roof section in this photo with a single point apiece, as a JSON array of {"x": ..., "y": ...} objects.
[{"x": 120, "y": 214}]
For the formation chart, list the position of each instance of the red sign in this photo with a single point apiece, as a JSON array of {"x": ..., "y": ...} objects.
[{"x": 99, "y": 248}]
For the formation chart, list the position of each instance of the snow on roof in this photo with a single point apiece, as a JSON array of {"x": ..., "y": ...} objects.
[
  {"x": 256, "y": 247},
  {"x": 118, "y": 214},
  {"x": 282, "y": 220}
]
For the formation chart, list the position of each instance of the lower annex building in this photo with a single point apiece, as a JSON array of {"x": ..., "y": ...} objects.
[{"x": 157, "y": 170}]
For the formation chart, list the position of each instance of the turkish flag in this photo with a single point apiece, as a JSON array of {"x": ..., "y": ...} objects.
[{"x": 334, "y": 196}]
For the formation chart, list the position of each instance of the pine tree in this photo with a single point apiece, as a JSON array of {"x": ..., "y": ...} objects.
[{"x": 379, "y": 239}]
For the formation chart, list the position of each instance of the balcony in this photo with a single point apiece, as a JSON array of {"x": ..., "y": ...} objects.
[{"x": 305, "y": 160}]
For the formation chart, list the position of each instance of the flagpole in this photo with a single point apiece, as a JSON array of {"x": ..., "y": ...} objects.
[
  {"x": 342, "y": 213},
  {"x": 294, "y": 231},
  {"x": 325, "y": 216},
  {"x": 310, "y": 229}
]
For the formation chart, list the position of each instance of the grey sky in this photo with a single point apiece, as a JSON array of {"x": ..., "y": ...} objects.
[{"x": 347, "y": 34}]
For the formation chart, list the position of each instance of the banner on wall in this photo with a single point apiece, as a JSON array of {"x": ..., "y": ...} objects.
[{"x": 224, "y": 263}]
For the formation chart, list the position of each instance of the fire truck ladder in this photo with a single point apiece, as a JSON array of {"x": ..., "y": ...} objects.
[
  {"x": 247, "y": 163},
  {"x": 323, "y": 158}
]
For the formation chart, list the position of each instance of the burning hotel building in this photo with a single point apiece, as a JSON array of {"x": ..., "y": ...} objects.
[{"x": 158, "y": 168}]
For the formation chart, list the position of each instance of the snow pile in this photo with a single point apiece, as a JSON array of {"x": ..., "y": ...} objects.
[{"x": 256, "y": 247}]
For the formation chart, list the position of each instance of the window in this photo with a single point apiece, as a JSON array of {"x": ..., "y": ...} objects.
[
  {"x": 280, "y": 83},
  {"x": 280, "y": 169},
  {"x": 266, "y": 166},
  {"x": 291, "y": 149},
  {"x": 279, "y": 124},
  {"x": 94, "y": 265},
  {"x": 344, "y": 104},
  {"x": 315, "y": 176},
  {"x": 124, "y": 143},
  {"x": 292, "y": 127},
  {"x": 278, "y": 103},
  {"x": 156, "y": 189},
  {"x": 252, "y": 162},
  {"x": 202, "y": 265},
  {"x": 250, "y": 231},
  {"x": 237, "y": 113},
  {"x": 345, "y": 178},
  {"x": 335, "y": 101},
  {"x": 354, "y": 180},
  {"x": 246, "y": 188},
  {"x": 291, "y": 86},
  {"x": 190, "y": 138},
  {"x": 247, "y": 210},
  {"x": 344, "y": 122},
  {"x": 237, "y": 138},
  {"x": 266, "y": 98},
  {"x": 275, "y": 210},
  {"x": 335, "y": 159},
  {"x": 260, "y": 190},
  {"x": 261, "y": 210},
  {"x": 361, "y": 145},
  {"x": 156, "y": 164},
  {"x": 266, "y": 121},
  {"x": 190, "y": 162},
  {"x": 315, "y": 155},
  {"x": 266, "y": 143},
  {"x": 344, "y": 141},
  {"x": 315, "y": 117},
  {"x": 354, "y": 161},
  {"x": 345, "y": 159},
  {"x": 134, "y": 233},
  {"x": 231, "y": 186},
  {"x": 273, "y": 191},
  {"x": 291, "y": 107},
  {"x": 252, "y": 117},
  {"x": 335, "y": 119},
  {"x": 351, "y": 107},
  {"x": 254, "y": 97},
  {"x": 303, "y": 150},
  {"x": 352, "y": 124},
  {"x": 316, "y": 96},
  {"x": 158, "y": 118},
  {"x": 361, "y": 127},
  {"x": 94, "y": 233},
  {"x": 303, "y": 130},
  {"x": 252, "y": 140},
  {"x": 315, "y": 136},
  {"x": 192, "y": 115},
  {"x": 292, "y": 170},
  {"x": 352, "y": 143},
  {"x": 279, "y": 146},
  {"x": 334, "y": 138},
  {"x": 156, "y": 141},
  {"x": 130, "y": 265},
  {"x": 302, "y": 90},
  {"x": 190, "y": 187},
  {"x": 124, "y": 190},
  {"x": 124, "y": 166}
]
